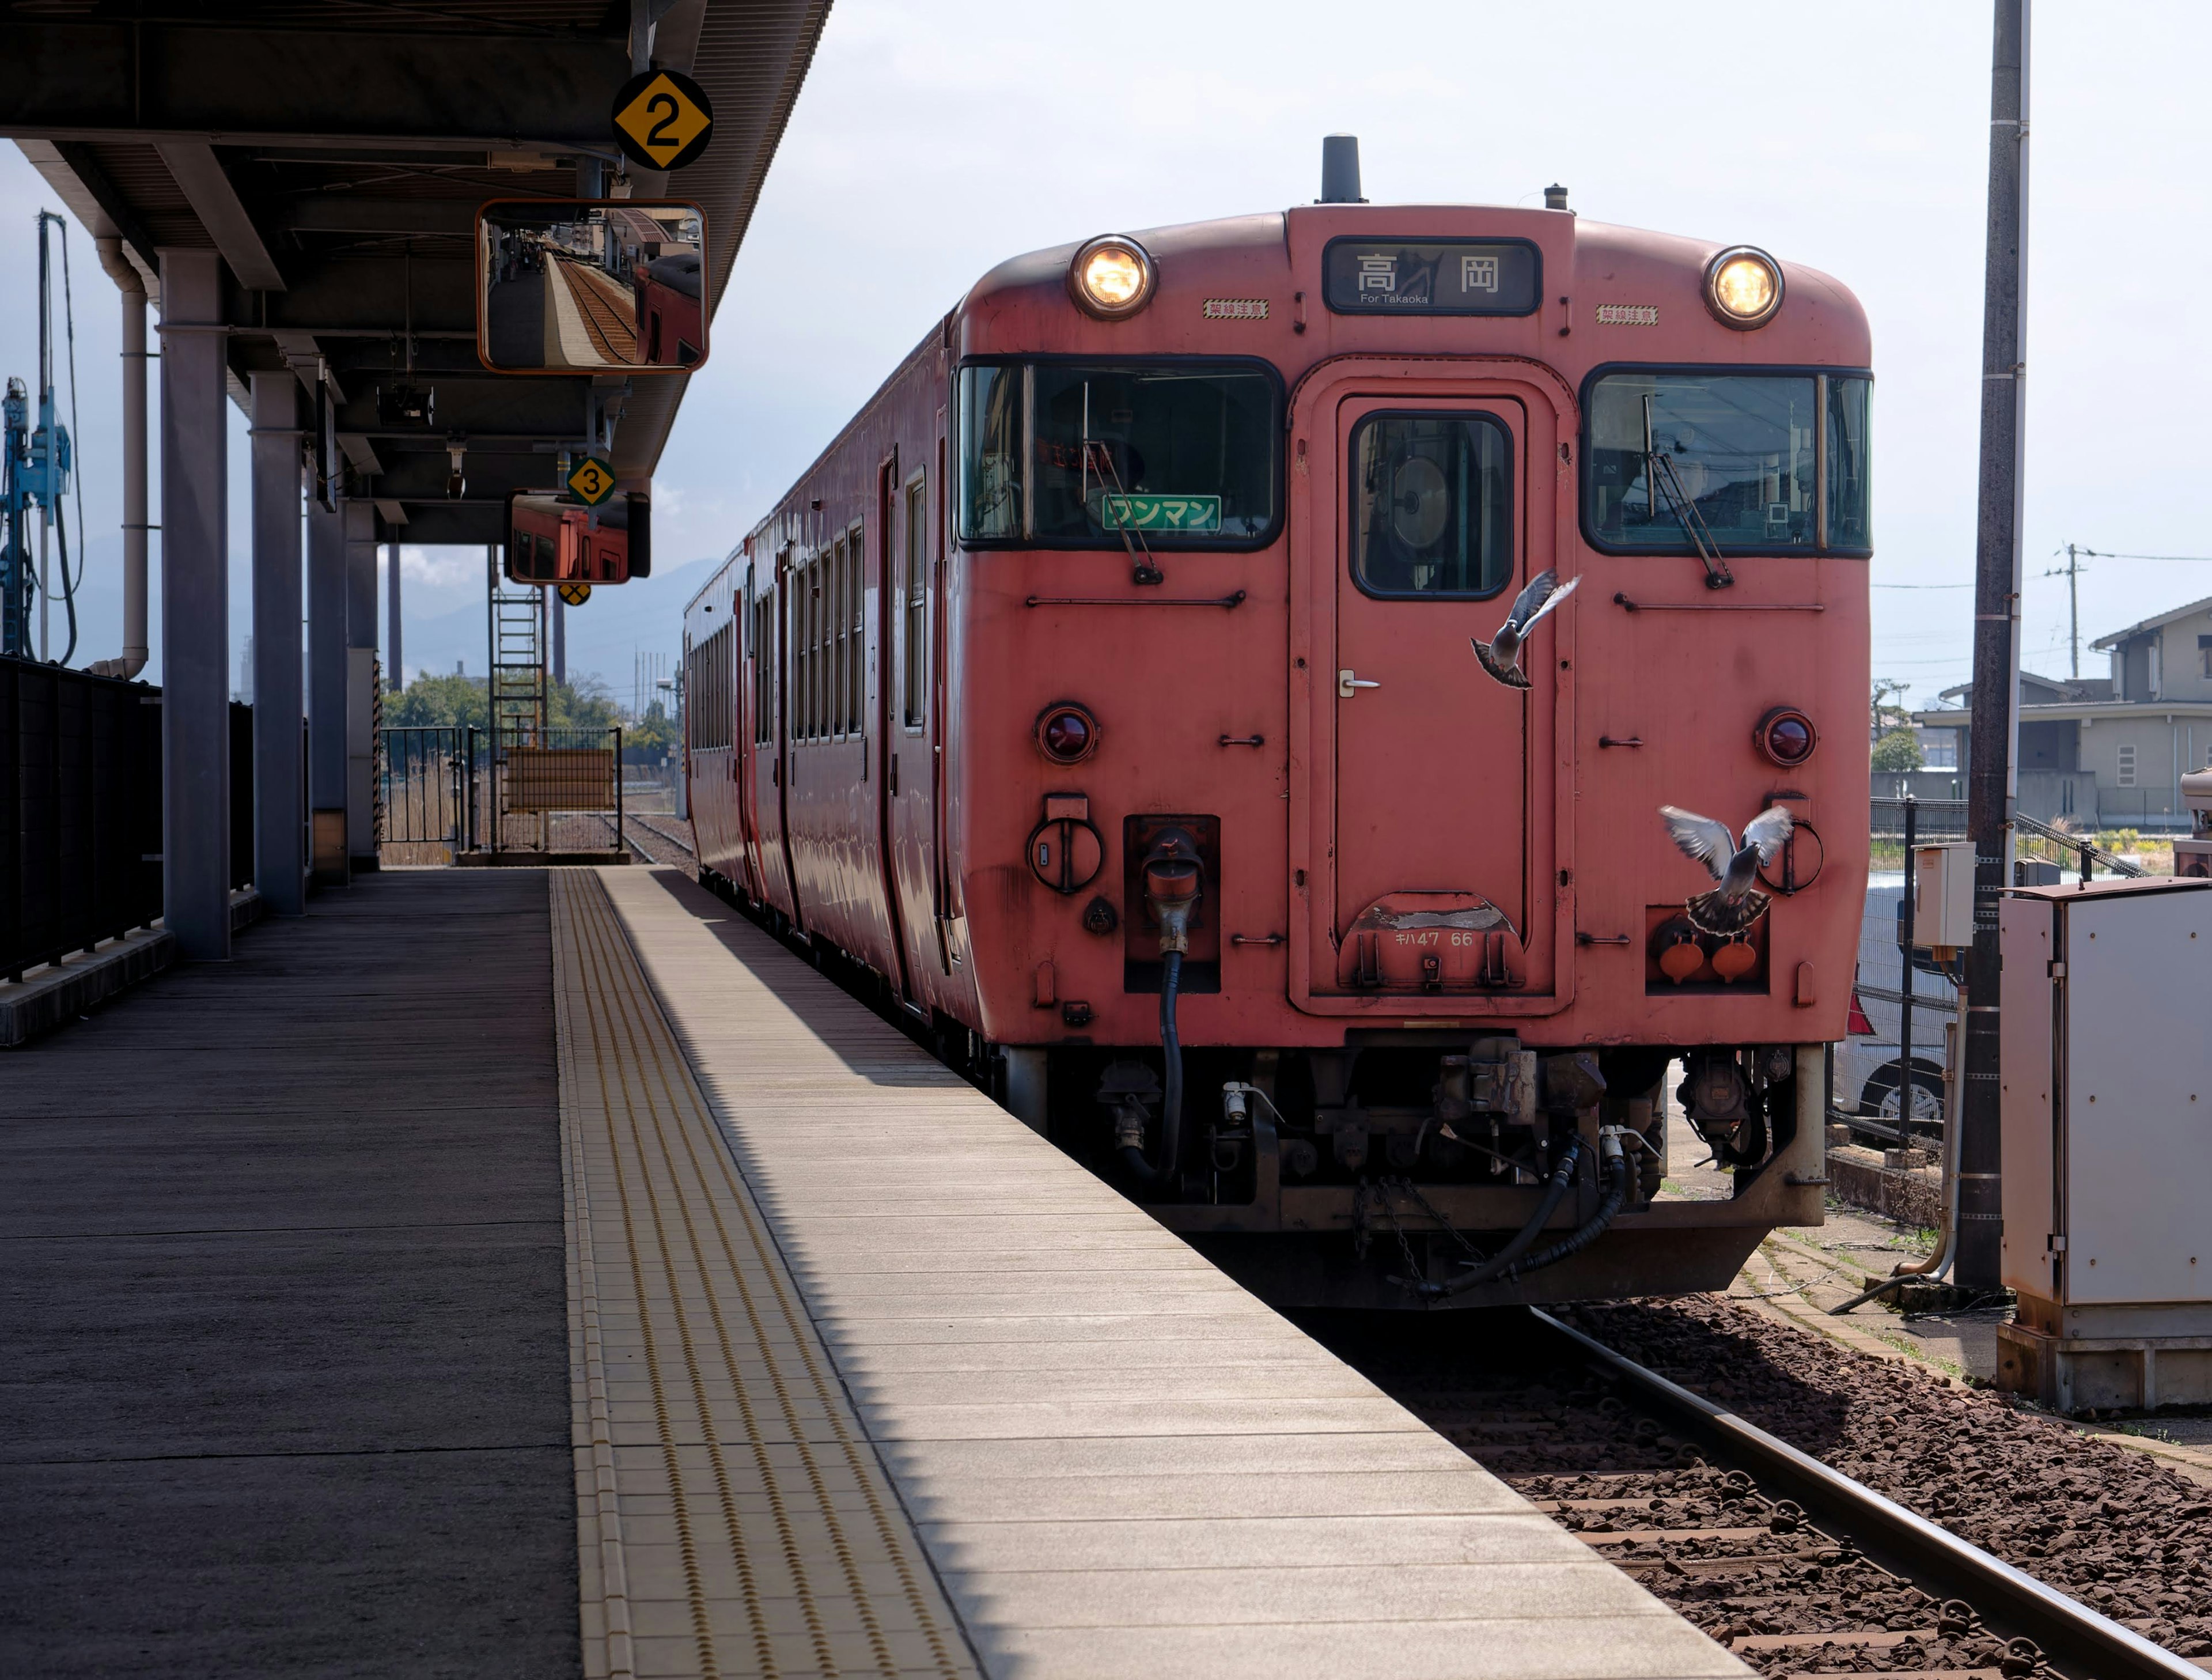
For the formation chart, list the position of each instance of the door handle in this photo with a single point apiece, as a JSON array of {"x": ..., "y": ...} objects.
[{"x": 1346, "y": 684}]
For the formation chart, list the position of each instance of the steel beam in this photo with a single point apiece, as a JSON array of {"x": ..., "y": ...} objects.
[
  {"x": 142, "y": 79},
  {"x": 326, "y": 693},
  {"x": 395, "y": 677},
  {"x": 195, "y": 610},
  {"x": 199, "y": 175},
  {"x": 360, "y": 518},
  {"x": 280, "y": 809}
]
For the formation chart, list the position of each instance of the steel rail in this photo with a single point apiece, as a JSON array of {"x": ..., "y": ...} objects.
[{"x": 2070, "y": 1631}]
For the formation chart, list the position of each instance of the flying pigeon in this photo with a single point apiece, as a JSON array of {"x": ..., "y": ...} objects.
[
  {"x": 1736, "y": 904},
  {"x": 1501, "y": 657}
]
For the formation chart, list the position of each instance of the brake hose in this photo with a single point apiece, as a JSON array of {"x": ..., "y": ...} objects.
[
  {"x": 1615, "y": 1192},
  {"x": 1502, "y": 1262},
  {"x": 1171, "y": 1097}
]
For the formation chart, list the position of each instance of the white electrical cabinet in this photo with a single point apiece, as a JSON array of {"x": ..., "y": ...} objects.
[
  {"x": 2108, "y": 1142},
  {"x": 1943, "y": 894}
]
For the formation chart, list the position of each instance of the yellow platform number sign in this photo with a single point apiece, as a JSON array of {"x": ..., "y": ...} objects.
[
  {"x": 662, "y": 120},
  {"x": 590, "y": 480},
  {"x": 575, "y": 594}
]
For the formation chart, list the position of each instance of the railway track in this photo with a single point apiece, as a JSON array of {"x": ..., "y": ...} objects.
[
  {"x": 614, "y": 336},
  {"x": 662, "y": 845},
  {"x": 1797, "y": 1568}
]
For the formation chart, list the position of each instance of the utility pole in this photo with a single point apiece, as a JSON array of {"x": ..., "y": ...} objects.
[
  {"x": 1991, "y": 789},
  {"x": 2073, "y": 611}
]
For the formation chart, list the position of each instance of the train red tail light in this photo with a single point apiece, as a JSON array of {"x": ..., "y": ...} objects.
[
  {"x": 1858, "y": 1024},
  {"x": 1066, "y": 733},
  {"x": 1786, "y": 736}
]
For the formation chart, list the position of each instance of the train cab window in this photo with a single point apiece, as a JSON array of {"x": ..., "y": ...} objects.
[
  {"x": 1432, "y": 505},
  {"x": 1679, "y": 455},
  {"x": 1179, "y": 455},
  {"x": 1183, "y": 451},
  {"x": 990, "y": 453}
]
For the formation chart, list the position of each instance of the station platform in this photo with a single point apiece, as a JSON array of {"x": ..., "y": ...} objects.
[{"x": 860, "y": 1375}]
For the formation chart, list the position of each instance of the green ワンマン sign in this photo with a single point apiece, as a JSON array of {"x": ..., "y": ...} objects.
[{"x": 1160, "y": 513}]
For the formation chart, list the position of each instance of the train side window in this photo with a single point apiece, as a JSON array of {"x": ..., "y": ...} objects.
[
  {"x": 826, "y": 603},
  {"x": 810, "y": 605},
  {"x": 1850, "y": 497},
  {"x": 914, "y": 616},
  {"x": 855, "y": 629},
  {"x": 802, "y": 652},
  {"x": 1432, "y": 505},
  {"x": 990, "y": 452},
  {"x": 830, "y": 603}
]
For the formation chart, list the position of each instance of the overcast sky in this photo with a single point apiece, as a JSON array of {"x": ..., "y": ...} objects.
[{"x": 931, "y": 141}]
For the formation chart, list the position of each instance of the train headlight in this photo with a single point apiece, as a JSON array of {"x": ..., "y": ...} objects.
[
  {"x": 1786, "y": 736},
  {"x": 1743, "y": 287},
  {"x": 1066, "y": 733},
  {"x": 1111, "y": 277}
]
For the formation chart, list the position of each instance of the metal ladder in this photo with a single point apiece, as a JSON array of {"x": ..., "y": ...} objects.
[{"x": 517, "y": 692}]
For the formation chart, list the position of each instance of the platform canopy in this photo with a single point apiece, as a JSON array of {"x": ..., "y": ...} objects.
[{"x": 335, "y": 155}]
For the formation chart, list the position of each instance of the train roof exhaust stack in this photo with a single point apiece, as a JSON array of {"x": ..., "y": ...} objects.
[
  {"x": 1555, "y": 197},
  {"x": 1339, "y": 170}
]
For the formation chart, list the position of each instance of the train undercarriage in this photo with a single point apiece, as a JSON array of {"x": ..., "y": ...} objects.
[{"x": 1403, "y": 1169}]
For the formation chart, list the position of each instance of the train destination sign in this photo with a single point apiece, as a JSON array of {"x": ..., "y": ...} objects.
[
  {"x": 1159, "y": 513},
  {"x": 662, "y": 119},
  {"x": 1445, "y": 276}
]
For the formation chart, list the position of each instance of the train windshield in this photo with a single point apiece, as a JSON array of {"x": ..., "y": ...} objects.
[
  {"x": 1182, "y": 453},
  {"x": 1735, "y": 458}
]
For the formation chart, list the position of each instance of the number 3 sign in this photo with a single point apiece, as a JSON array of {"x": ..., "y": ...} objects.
[{"x": 662, "y": 120}]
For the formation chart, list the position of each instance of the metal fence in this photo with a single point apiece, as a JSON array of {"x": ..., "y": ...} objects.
[
  {"x": 423, "y": 786},
  {"x": 80, "y": 810}
]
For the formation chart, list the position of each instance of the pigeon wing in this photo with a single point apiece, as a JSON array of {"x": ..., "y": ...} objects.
[
  {"x": 1529, "y": 605},
  {"x": 1768, "y": 831},
  {"x": 1700, "y": 838},
  {"x": 1550, "y": 602}
]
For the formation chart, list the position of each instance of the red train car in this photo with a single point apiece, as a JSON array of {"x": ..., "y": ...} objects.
[
  {"x": 1105, "y": 688},
  {"x": 669, "y": 330}
]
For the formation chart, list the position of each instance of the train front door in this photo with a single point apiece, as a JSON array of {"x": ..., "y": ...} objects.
[{"x": 1428, "y": 504}]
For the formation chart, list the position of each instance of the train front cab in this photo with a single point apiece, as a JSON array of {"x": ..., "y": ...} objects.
[{"x": 1432, "y": 915}]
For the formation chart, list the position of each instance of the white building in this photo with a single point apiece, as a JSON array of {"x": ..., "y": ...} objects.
[{"x": 2110, "y": 750}]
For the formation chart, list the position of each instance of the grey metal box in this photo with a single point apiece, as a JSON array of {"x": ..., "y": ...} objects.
[{"x": 2107, "y": 1139}]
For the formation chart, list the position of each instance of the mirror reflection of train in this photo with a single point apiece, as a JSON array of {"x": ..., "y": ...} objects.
[
  {"x": 555, "y": 539},
  {"x": 585, "y": 284},
  {"x": 669, "y": 326}
]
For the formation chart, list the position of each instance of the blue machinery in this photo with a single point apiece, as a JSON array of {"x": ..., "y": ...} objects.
[{"x": 35, "y": 473}]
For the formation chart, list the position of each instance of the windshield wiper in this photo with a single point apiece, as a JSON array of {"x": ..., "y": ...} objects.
[
  {"x": 1142, "y": 569},
  {"x": 1659, "y": 473}
]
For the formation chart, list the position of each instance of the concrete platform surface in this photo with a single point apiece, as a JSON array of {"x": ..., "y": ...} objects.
[
  {"x": 1115, "y": 1461},
  {"x": 284, "y": 1384}
]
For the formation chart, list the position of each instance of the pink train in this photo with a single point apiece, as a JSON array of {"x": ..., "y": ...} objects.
[{"x": 1104, "y": 697}]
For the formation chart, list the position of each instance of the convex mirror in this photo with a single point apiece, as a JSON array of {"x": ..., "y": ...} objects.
[
  {"x": 554, "y": 539},
  {"x": 588, "y": 285}
]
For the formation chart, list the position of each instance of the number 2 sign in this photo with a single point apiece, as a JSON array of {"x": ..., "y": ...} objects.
[{"x": 662, "y": 119}]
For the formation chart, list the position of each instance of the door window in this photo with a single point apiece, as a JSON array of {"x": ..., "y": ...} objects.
[{"x": 1432, "y": 505}]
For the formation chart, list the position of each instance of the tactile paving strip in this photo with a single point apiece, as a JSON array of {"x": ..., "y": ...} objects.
[{"x": 731, "y": 1516}]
